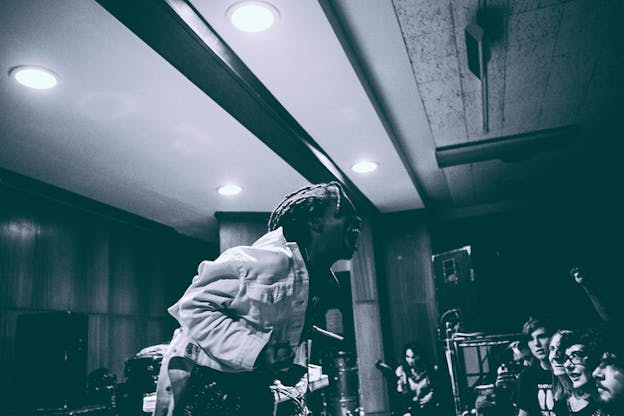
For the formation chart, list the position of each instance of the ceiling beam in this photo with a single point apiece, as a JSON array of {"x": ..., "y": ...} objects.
[
  {"x": 177, "y": 31},
  {"x": 508, "y": 148},
  {"x": 338, "y": 23}
]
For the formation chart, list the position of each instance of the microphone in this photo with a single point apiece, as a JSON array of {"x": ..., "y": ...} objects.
[
  {"x": 383, "y": 366},
  {"x": 327, "y": 333}
]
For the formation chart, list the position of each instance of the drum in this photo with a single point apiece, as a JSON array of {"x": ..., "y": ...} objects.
[
  {"x": 343, "y": 375},
  {"x": 142, "y": 372},
  {"x": 343, "y": 406}
]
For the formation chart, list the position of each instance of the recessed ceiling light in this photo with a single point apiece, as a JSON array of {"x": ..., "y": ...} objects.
[
  {"x": 229, "y": 190},
  {"x": 34, "y": 77},
  {"x": 252, "y": 16},
  {"x": 364, "y": 166}
]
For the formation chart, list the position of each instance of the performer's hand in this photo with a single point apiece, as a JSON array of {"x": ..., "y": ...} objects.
[{"x": 275, "y": 358}]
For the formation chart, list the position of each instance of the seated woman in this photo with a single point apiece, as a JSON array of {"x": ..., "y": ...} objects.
[
  {"x": 414, "y": 383},
  {"x": 579, "y": 359}
]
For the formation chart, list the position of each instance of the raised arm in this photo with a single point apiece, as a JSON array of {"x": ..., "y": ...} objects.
[{"x": 582, "y": 278}]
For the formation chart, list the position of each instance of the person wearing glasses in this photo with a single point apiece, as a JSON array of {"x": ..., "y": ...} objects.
[
  {"x": 556, "y": 352},
  {"x": 579, "y": 359}
]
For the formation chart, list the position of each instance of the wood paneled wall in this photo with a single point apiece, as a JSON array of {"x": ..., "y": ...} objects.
[
  {"x": 367, "y": 319},
  {"x": 409, "y": 292},
  {"x": 240, "y": 228},
  {"x": 56, "y": 255}
]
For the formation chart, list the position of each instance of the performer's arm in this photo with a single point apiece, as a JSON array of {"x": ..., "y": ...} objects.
[{"x": 203, "y": 310}]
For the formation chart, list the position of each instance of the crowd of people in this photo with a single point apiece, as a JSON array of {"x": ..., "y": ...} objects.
[
  {"x": 548, "y": 371},
  {"x": 565, "y": 371}
]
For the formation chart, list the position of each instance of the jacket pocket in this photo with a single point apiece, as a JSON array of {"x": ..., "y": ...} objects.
[
  {"x": 270, "y": 294},
  {"x": 268, "y": 304}
]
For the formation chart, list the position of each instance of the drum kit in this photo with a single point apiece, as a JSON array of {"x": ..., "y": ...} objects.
[{"x": 340, "y": 396}]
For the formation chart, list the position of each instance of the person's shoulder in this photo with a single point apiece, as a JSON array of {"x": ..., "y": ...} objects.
[{"x": 271, "y": 262}]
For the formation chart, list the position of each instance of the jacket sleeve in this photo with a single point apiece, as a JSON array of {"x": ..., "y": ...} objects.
[{"x": 204, "y": 311}]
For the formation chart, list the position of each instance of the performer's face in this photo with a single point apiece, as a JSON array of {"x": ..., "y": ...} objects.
[{"x": 339, "y": 229}]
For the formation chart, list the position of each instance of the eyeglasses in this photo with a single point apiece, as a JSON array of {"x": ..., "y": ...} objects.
[{"x": 577, "y": 357}]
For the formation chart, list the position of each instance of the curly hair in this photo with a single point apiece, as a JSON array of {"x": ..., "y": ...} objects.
[{"x": 293, "y": 213}]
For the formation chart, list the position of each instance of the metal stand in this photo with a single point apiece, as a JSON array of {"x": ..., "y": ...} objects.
[{"x": 474, "y": 349}]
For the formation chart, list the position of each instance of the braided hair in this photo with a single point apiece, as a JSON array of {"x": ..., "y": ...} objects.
[{"x": 298, "y": 207}]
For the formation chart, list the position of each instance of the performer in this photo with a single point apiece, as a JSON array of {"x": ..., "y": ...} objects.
[
  {"x": 414, "y": 383},
  {"x": 243, "y": 316}
]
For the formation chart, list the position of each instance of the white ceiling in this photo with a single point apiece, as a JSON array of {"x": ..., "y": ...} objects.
[{"x": 364, "y": 78}]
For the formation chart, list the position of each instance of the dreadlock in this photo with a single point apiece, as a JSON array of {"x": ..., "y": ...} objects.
[{"x": 294, "y": 211}]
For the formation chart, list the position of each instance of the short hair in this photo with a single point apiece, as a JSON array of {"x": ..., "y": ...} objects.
[
  {"x": 293, "y": 213},
  {"x": 532, "y": 324}
]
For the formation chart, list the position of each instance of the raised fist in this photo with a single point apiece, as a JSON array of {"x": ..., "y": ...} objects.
[{"x": 577, "y": 274}]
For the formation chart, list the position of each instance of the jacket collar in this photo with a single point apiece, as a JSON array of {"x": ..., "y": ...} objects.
[{"x": 272, "y": 239}]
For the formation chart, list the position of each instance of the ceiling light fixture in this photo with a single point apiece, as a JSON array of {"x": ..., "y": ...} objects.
[
  {"x": 252, "y": 16},
  {"x": 229, "y": 190},
  {"x": 34, "y": 77},
  {"x": 364, "y": 166}
]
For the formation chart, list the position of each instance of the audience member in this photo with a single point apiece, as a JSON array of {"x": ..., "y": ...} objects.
[
  {"x": 535, "y": 385},
  {"x": 522, "y": 356},
  {"x": 579, "y": 359},
  {"x": 414, "y": 383},
  {"x": 556, "y": 355},
  {"x": 609, "y": 377},
  {"x": 604, "y": 311},
  {"x": 516, "y": 358}
]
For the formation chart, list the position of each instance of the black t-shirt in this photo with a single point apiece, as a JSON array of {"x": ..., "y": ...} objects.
[
  {"x": 562, "y": 409},
  {"x": 535, "y": 392}
]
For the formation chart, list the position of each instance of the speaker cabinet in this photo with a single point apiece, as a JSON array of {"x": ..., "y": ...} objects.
[
  {"x": 51, "y": 360},
  {"x": 455, "y": 286}
]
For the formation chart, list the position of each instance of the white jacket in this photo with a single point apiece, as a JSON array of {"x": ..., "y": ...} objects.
[{"x": 236, "y": 304}]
